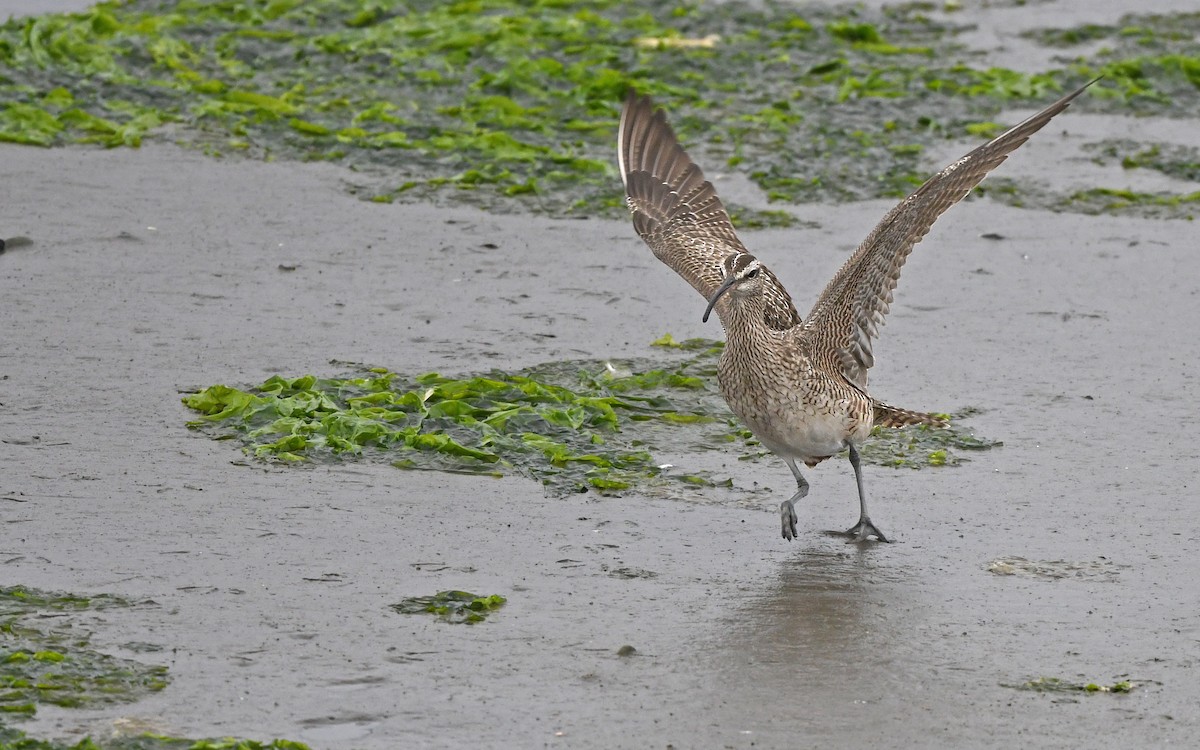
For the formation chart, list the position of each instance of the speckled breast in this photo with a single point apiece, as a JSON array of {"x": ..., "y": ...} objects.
[{"x": 791, "y": 407}]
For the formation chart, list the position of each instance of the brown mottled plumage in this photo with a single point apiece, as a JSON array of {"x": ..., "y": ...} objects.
[
  {"x": 677, "y": 212},
  {"x": 799, "y": 385}
]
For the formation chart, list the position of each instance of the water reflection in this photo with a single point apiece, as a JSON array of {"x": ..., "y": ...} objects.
[
  {"x": 820, "y": 646},
  {"x": 829, "y": 607}
]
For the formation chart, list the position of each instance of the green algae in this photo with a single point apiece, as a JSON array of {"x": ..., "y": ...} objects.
[
  {"x": 1172, "y": 160},
  {"x": 560, "y": 424},
  {"x": 1150, "y": 62},
  {"x": 1132, "y": 32},
  {"x": 750, "y": 218},
  {"x": 509, "y": 104},
  {"x": 573, "y": 426},
  {"x": 455, "y": 607},
  {"x": 14, "y": 739},
  {"x": 692, "y": 345},
  {"x": 46, "y": 656},
  {"x": 1059, "y": 685},
  {"x": 921, "y": 445},
  {"x": 1118, "y": 200},
  {"x": 1098, "y": 200}
]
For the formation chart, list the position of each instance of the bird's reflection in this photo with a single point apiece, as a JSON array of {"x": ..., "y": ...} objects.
[
  {"x": 828, "y": 605},
  {"x": 827, "y": 648},
  {"x": 822, "y": 636}
]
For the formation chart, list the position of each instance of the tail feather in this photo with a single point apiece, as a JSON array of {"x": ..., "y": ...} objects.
[{"x": 887, "y": 415}]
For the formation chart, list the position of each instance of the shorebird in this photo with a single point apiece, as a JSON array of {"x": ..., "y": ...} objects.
[{"x": 799, "y": 384}]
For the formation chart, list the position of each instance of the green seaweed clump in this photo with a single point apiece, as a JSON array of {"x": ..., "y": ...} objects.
[
  {"x": 513, "y": 103},
  {"x": 560, "y": 424},
  {"x": 14, "y": 739},
  {"x": 917, "y": 446},
  {"x": 56, "y": 665},
  {"x": 1173, "y": 160},
  {"x": 1117, "y": 200},
  {"x": 1151, "y": 61},
  {"x": 573, "y": 426},
  {"x": 1098, "y": 200},
  {"x": 667, "y": 341},
  {"x": 1058, "y": 685},
  {"x": 452, "y": 606}
]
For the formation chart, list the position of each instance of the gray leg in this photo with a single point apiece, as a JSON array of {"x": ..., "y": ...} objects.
[
  {"x": 864, "y": 528},
  {"x": 787, "y": 509}
]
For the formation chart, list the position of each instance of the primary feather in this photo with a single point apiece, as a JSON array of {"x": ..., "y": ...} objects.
[
  {"x": 850, "y": 311},
  {"x": 678, "y": 213}
]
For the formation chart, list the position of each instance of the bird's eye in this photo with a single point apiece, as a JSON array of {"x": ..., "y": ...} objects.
[{"x": 752, "y": 274}]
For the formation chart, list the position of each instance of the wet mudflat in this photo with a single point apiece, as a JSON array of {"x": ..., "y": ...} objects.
[
  {"x": 273, "y": 583},
  {"x": 1064, "y": 554}
]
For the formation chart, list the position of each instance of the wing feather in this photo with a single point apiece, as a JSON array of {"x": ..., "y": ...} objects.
[
  {"x": 678, "y": 213},
  {"x": 851, "y": 309}
]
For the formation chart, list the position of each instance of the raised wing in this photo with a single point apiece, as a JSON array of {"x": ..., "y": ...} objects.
[
  {"x": 677, "y": 212},
  {"x": 852, "y": 307}
]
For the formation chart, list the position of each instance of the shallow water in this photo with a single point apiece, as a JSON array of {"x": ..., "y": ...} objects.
[{"x": 157, "y": 271}]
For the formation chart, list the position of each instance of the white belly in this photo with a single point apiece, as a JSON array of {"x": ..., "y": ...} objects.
[
  {"x": 803, "y": 433},
  {"x": 793, "y": 410}
]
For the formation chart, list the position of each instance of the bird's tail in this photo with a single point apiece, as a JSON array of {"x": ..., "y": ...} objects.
[{"x": 887, "y": 415}]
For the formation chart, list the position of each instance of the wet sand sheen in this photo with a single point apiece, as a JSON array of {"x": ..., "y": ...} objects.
[{"x": 156, "y": 271}]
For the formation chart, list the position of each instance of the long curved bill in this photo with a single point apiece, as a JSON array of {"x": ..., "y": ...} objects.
[{"x": 726, "y": 285}]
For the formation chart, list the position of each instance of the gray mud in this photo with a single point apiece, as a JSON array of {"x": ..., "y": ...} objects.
[{"x": 157, "y": 271}]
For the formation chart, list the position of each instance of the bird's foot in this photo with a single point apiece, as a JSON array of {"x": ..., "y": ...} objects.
[
  {"x": 787, "y": 514},
  {"x": 863, "y": 530}
]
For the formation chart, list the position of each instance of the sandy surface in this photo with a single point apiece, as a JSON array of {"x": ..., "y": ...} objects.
[{"x": 157, "y": 270}]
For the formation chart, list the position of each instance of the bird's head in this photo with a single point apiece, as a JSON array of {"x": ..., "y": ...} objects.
[{"x": 743, "y": 279}]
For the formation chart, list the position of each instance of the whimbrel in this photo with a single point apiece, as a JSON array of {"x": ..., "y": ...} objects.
[{"x": 800, "y": 385}]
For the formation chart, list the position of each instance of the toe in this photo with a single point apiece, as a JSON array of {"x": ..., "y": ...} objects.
[{"x": 863, "y": 531}]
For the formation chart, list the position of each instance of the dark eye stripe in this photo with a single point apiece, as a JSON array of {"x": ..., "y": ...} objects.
[{"x": 738, "y": 262}]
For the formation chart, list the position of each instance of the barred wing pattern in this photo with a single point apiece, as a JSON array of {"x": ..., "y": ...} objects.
[
  {"x": 678, "y": 213},
  {"x": 849, "y": 312}
]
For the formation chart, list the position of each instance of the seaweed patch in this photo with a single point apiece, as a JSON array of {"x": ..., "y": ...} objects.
[
  {"x": 571, "y": 425},
  {"x": 512, "y": 105}
]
